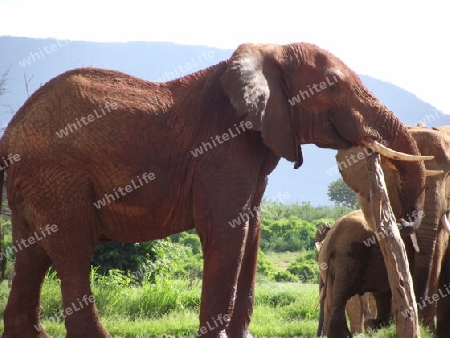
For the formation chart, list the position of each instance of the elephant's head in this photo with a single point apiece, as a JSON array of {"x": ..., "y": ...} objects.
[
  {"x": 298, "y": 93},
  {"x": 437, "y": 198}
]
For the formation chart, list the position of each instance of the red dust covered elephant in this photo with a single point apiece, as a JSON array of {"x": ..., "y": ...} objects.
[{"x": 109, "y": 157}]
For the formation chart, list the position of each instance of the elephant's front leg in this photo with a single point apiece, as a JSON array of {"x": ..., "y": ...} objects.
[
  {"x": 243, "y": 308},
  {"x": 227, "y": 229}
]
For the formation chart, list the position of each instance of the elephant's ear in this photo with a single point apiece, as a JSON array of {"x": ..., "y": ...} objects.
[
  {"x": 352, "y": 164},
  {"x": 254, "y": 83},
  {"x": 321, "y": 234}
]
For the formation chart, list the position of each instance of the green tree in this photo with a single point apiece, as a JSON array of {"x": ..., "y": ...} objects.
[
  {"x": 341, "y": 194},
  {"x": 127, "y": 257}
]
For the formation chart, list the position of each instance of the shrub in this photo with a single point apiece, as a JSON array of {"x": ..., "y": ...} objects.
[
  {"x": 265, "y": 267},
  {"x": 126, "y": 257},
  {"x": 284, "y": 276},
  {"x": 305, "y": 268}
]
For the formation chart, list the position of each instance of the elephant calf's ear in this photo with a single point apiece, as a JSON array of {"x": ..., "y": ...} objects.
[
  {"x": 321, "y": 234},
  {"x": 246, "y": 85}
]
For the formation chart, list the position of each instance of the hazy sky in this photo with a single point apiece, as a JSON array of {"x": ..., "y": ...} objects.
[{"x": 402, "y": 42}]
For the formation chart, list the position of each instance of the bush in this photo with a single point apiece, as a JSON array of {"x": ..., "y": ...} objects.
[
  {"x": 192, "y": 241},
  {"x": 287, "y": 235},
  {"x": 305, "y": 267},
  {"x": 274, "y": 210},
  {"x": 172, "y": 261},
  {"x": 126, "y": 257},
  {"x": 284, "y": 276},
  {"x": 265, "y": 267}
]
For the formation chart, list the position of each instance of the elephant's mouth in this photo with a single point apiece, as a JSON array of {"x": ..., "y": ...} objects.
[{"x": 331, "y": 138}]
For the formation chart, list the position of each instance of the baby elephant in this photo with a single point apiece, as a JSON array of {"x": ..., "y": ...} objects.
[{"x": 355, "y": 265}]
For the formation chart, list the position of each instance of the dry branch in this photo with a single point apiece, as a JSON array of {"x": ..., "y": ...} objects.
[{"x": 394, "y": 254}]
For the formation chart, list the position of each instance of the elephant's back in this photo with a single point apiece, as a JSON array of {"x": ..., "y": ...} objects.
[
  {"x": 85, "y": 104},
  {"x": 348, "y": 230},
  {"x": 355, "y": 224}
]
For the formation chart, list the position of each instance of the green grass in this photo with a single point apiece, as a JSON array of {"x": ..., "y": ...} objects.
[
  {"x": 282, "y": 260},
  {"x": 281, "y": 309},
  {"x": 172, "y": 307}
]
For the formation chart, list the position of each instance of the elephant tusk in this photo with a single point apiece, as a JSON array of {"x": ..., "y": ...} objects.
[
  {"x": 431, "y": 173},
  {"x": 414, "y": 242},
  {"x": 318, "y": 246},
  {"x": 445, "y": 222},
  {"x": 392, "y": 154}
]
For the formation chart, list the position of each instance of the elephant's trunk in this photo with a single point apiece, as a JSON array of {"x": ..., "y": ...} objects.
[
  {"x": 412, "y": 174},
  {"x": 412, "y": 178},
  {"x": 427, "y": 235},
  {"x": 380, "y": 124}
]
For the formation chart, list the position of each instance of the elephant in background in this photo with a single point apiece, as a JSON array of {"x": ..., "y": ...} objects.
[
  {"x": 361, "y": 309},
  {"x": 442, "y": 248},
  {"x": 355, "y": 266},
  {"x": 432, "y": 235},
  {"x": 320, "y": 235},
  {"x": 105, "y": 156},
  {"x": 443, "y": 304}
]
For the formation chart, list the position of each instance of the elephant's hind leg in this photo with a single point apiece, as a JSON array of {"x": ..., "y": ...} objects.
[
  {"x": 338, "y": 323},
  {"x": 72, "y": 263},
  {"x": 21, "y": 316},
  {"x": 383, "y": 301},
  {"x": 79, "y": 309},
  {"x": 343, "y": 288}
]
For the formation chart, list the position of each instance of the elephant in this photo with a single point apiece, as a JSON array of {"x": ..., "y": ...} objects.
[
  {"x": 354, "y": 266},
  {"x": 432, "y": 236},
  {"x": 442, "y": 254},
  {"x": 105, "y": 156},
  {"x": 443, "y": 304},
  {"x": 358, "y": 308}
]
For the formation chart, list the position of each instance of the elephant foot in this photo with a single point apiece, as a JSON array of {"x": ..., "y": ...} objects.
[
  {"x": 375, "y": 324},
  {"x": 342, "y": 334},
  {"x": 221, "y": 334},
  {"x": 241, "y": 334},
  {"x": 95, "y": 331},
  {"x": 29, "y": 334},
  {"x": 247, "y": 335}
]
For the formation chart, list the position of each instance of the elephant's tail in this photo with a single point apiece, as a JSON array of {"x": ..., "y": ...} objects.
[
  {"x": 323, "y": 288},
  {"x": 324, "y": 301},
  {"x": 323, "y": 275}
]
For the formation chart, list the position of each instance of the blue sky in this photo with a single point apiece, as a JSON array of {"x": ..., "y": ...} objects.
[{"x": 402, "y": 42}]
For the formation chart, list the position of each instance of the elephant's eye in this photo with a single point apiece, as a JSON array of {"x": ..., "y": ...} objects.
[{"x": 333, "y": 88}]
